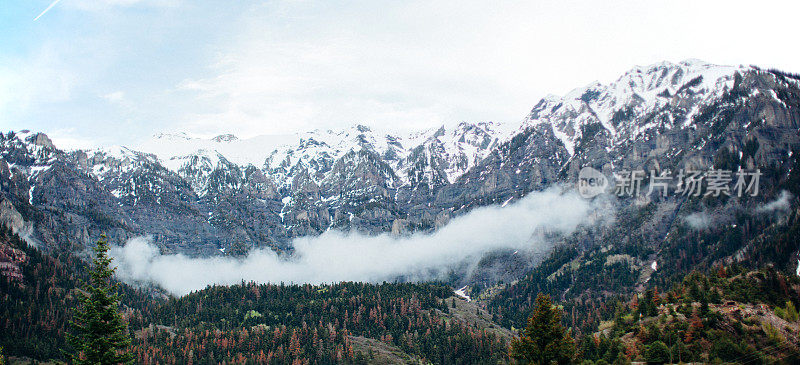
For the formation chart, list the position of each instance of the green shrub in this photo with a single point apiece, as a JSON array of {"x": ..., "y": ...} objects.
[
  {"x": 726, "y": 350},
  {"x": 657, "y": 353}
]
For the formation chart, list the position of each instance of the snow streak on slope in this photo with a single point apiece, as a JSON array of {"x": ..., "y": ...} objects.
[{"x": 461, "y": 294}]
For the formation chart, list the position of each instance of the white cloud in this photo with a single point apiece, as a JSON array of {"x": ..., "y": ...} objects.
[
  {"x": 258, "y": 67},
  {"x": 698, "y": 220},
  {"x": 115, "y": 97},
  {"x": 302, "y": 65},
  {"x": 335, "y": 256},
  {"x": 68, "y": 139},
  {"x": 780, "y": 204},
  {"x": 267, "y": 85}
]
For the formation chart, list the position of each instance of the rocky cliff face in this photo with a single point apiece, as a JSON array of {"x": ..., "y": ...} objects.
[
  {"x": 663, "y": 117},
  {"x": 212, "y": 194}
]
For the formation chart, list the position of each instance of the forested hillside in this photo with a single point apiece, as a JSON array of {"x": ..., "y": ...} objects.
[
  {"x": 726, "y": 312},
  {"x": 729, "y": 315},
  {"x": 650, "y": 245},
  {"x": 258, "y": 322}
]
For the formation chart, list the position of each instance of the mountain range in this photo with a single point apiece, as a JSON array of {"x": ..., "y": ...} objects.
[{"x": 210, "y": 196}]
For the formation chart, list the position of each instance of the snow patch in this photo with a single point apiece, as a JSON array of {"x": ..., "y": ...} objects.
[
  {"x": 36, "y": 170},
  {"x": 462, "y": 293}
]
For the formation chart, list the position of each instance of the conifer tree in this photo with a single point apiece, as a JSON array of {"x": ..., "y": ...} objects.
[
  {"x": 791, "y": 312},
  {"x": 544, "y": 340},
  {"x": 99, "y": 333}
]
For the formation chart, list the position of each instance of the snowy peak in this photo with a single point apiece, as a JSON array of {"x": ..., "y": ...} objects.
[
  {"x": 665, "y": 79},
  {"x": 172, "y": 148},
  {"x": 224, "y": 138},
  {"x": 28, "y": 148},
  {"x": 446, "y": 153},
  {"x": 30, "y": 154},
  {"x": 113, "y": 160},
  {"x": 208, "y": 171},
  {"x": 451, "y": 149},
  {"x": 639, "y": 92},
  {"x": 316, "y": 151}
]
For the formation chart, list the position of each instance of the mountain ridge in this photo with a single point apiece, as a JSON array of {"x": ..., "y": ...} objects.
[{"x": 366, "y": 180}]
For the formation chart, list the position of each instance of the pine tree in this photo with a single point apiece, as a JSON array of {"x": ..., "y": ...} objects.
[
  {"x": 99, "y": 333},
  {"x": 544, "y": 340},
  {"x": 791, "y": 312}
]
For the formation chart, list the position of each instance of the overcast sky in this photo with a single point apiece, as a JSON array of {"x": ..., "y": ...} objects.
[{"x": 115, "y": 71}]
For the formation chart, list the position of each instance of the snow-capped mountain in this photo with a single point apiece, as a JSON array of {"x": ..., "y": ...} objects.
[
  {"x": 453, "y": 149},
  {"x": 316, "y": 151},
  {"x": 674, "y": 92},
  {"x": 318, "y": 173},
  {"x": 448, "y": 152},
  {"x": 199, "y": 195}
]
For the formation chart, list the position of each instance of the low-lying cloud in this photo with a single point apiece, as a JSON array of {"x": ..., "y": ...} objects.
[
  {"x": 698, "y": 220},
  {"x": 336, "y": 256},
  {"x": 781, "y": 204}
]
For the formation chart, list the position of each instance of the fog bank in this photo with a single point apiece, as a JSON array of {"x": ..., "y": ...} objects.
[{"x": 336, "y": 256}]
